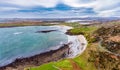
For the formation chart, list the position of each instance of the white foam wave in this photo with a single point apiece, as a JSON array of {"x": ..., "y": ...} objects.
[
  {"x": 17, "y": 33},
  {"x": 79, "y": 44}
]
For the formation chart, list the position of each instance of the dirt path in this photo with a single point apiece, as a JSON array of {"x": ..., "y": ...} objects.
[{"x": 74, "y": 65}]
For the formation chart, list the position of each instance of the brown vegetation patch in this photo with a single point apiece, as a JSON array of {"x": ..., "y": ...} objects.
[{"x": 114, "y": 38}]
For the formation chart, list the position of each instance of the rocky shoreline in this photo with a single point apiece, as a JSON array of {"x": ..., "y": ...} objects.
[{"x": 36, "y": 60}]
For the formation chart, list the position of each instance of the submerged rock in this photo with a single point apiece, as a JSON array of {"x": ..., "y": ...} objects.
[{"x": 45, "y": 31}]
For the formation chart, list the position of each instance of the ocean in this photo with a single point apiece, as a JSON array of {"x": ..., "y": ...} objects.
[{"x": 21, "y": 42}]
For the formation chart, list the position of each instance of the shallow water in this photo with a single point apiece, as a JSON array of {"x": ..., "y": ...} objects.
[{"x": 20, "y": 42}]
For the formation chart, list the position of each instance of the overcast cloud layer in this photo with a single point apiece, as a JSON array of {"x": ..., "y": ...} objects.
[{"x": 59, "y": 8}]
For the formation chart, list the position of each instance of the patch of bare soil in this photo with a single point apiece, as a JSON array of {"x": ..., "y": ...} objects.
[
  {"x": 74, "y": 65},
  {"x": 114, "y": 38}
]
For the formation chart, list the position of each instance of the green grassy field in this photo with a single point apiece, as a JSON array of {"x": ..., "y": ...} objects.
[{"x": 81, "y": 61}]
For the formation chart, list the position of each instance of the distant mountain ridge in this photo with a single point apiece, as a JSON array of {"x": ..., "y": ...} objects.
[{"x": 100, "y": 19}]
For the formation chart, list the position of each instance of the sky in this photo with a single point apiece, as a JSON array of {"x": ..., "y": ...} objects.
[{"x": 59, "y": 8}]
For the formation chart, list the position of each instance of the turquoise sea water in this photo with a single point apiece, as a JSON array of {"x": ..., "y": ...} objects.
[{"x": 20, "y": 42}]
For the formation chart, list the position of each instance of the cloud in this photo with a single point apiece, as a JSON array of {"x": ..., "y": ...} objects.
[
  {"x": 48, "y": 3},
  {"x": 113, "y": 12},
  {"x": 49, "y": 8},
  {"x": 44, "y": 14},
  {"x": 78, "y": 3},
  {"x": 8, "y": 8},
  {"x": 32, "y": 3},
  {"x": 107, "y": 8},
  {"x": 105, "y": 4}
]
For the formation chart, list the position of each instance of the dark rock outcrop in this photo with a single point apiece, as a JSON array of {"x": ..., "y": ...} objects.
[
  {"x": 53, "y": 55},
  {"x": 45, "y": 31}
]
